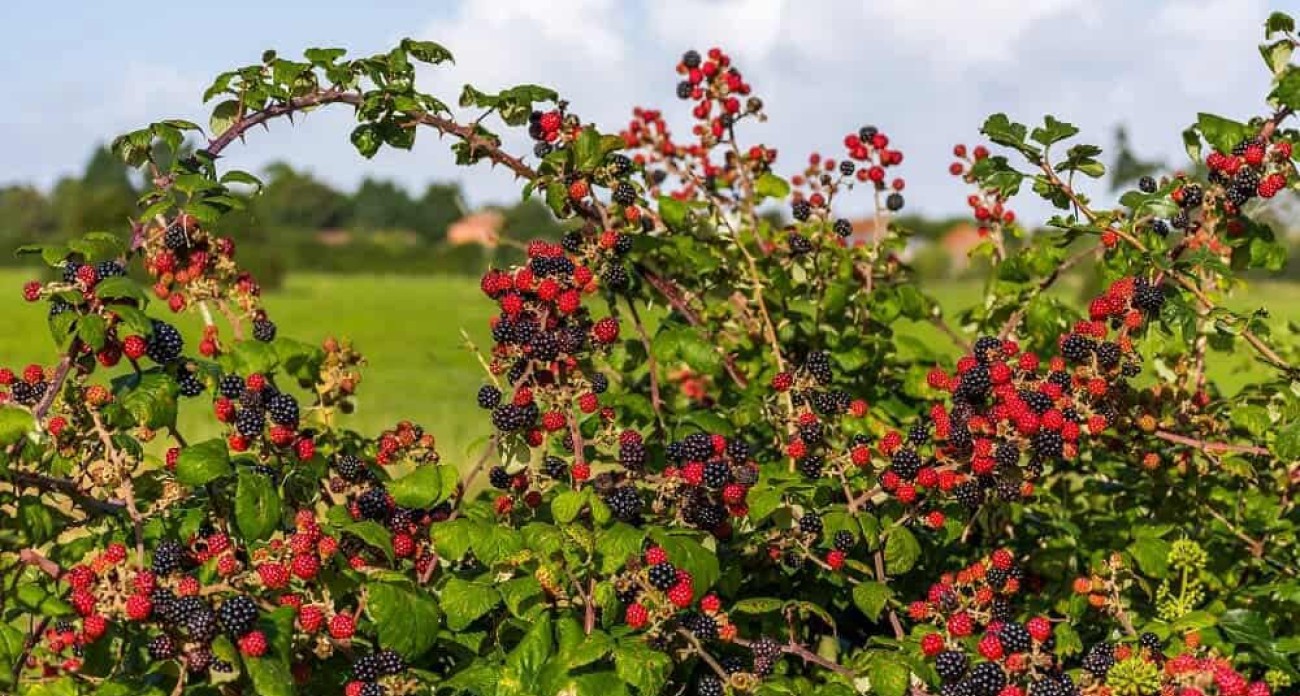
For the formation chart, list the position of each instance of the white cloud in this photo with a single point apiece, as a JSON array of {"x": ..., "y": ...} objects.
[{"x": 956, "y": 35}]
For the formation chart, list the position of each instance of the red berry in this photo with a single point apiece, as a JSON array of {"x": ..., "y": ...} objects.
[
  {"x": 655, "y": 555},
  {"x": 681, "y": 595},
  {"x": 253, "y": 644},
  {"x": 134, "y": 347},
  {"x": 1040, "y": 629},
  {"x": 32, "y": 290},
  {"x": 835, "y": 559},
  {"x": 115, "y": 553},
  {"x": 138, "y": 607},
  {"x": 273, "y": 575},
  {"x": 342, "y": 626},
  {"x": 305, "y": 567},
  {"x": 403, "y": 545},
  {"x": 606, "y": 330},
  {"x": 960, "y": 625},
  {"x": 782, "y": 381},
  {"x": 255, "y": 382},
  {"x": 636, "y": 616},
  {"x": 94, "y": 626},
  {"x": 932, "y": 644},
  {"x": 310, "y": 618},
  {"x": 581, "y": 472},
  {"x": 1002, "y": 559},
  {"x": 990, "y": 647},
  {"x": 188, "y": 586}
]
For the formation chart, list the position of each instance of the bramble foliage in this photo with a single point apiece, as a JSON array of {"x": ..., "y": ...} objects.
[{"x": 715, "y": 467}]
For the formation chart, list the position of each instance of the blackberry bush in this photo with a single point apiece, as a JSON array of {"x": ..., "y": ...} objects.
[{"x": 711, "y": 463}]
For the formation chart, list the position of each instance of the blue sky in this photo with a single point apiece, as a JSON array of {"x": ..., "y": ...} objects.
[{"x": 78, "y": 72}]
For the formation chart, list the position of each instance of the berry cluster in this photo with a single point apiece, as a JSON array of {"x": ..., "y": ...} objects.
[
  {"x": 190, "y": 266},
  {"x": 867, "y": 160},
  {"x": 660, "y": 598},
  {"x": 988, "y": 204},
  {"x": 1124, "y": 669},
  {"x": 26, "y": 388},
  {"x": 260, "y": 414},
  {"x": 374, "y": 671},
  {"x": 707, "y": 481},
  {"x": 1255, "y": 167},
  {"x": 716, "y": 86}
]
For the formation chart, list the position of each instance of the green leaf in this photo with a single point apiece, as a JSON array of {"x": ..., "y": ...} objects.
[
  {"x": 901, "y": 551},
  {"x": 121, "y": 288},
  {"x": 1243, "y": 626},
  {"x": 1286, "y": 445},
  {"x": 367, "y": 139},
  {"x": 427, "y": 51},
  {"x": 493, "y": 543},
  {"x": 1067, "y": 640},
  {"x": 203, "y": 462},
  {"x": 642, "y": 667},
  {"x": 424, "y": 487},
  {"x": 1278, "y": 22},
  {"x": 518, "y": 594},
  {"x": 1277, "y": 55},
  {"x": 534, "y": 650},
  {"x": 98, "y": 246},
  {"x": 407, "y": 619},
  {"x": 617, "y": 544},
  {"x": 1053, "y": 131},
  {"x": 871, "y": 598},
  {"x": 372, "y": 533},
  {"x": 270, "y": 677},
  {"x": 151, "y": 400},
  {"x": 1152, "y": 556},
  {"x": 685, "y": 552},
  {"x": 771, "y": 186},
  {"x": 1005, "y": 132},
  {"x": 92, "y": 330},
  {"x": 566, "y": 506},
  {"x": 224, "y": 116},
  {"x": 464, "y": 601},
  {"x": 758, "y": 605},
  {"x": 673, "y": 212},
  {"x": 1221, "y": 133},
  {"x": 587, "y": 150},
  {"x": 254, "y": 357},
  {"x": 452, "y": 539},
  {"x": 15, "y": 423},
  {"x": 257, "y": 505},
  {"x": 888, "y": 677}
]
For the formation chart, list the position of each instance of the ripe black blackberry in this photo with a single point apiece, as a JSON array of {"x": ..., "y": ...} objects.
[
  {"x": 70, "y": 269},
  {"x": 1007, "y": 455},
  {"x": 766, "y": 652},
  {"x": 1099, "y": 660},
  {"x": 162, "y": 647},
  {"x": 894, "y": 201},
  {"x": 906, "y": 463},
  {"x": 843, "y": 227},
  {"x": 1077, "y": 348},
  {"x": 198, "y": 659},
  {"x": 844, "y": 540},
  {"x": 389, "y": 662},
  {"x": 1192, "y": 196},
  {"x": 264, "y": 330},
  {"x": 625, "y": 503},
  {"x": 622, "y": 244},
  {"x": 801, "y": 210},
  {"x": 350, "y": 467},
  {"x": 985, "y": 347},
  {"x": 1246, "y": 179},
  {"x": 919, "y": 433},
  {"x": 732, "y": 664},
  {"x": 1150, "y": 641},
  {"x": 201, "y": 626},
  {"x": 866, "y": 133},
  {"x": 1147, "y": 184},
  {"x": 969, "y": 493},
  {"x": 811, "y": 466},
  {"x": 572, "y": 241},
  {"x": 168, "y": 557},
  {"x": 1108, "y": 354},
  {"x": 1015, "y": 637},
  {"x": 799, "y": 244},
  {"x": 541, "y": 149},
  {"x": 691, "y": 59},
  {"x": 702, "y": 625},
  {"x": 811, "y": 523},
  {"x": 704, "y": 513},
  {"x": 987, "y": 679},
  {"x": 1160, "y": 227},
  {"x": 373, "y": 504},
  {"x": 1180, "y": 221},
  {"x": 499, "y": 477},
  {"x": 249, "y": 422},
  {"x": 231, "y": 386},
  {"x": 509, "y": 418},
  {"x": 283, "y": 410},
  {"x": 373, "y": 689},
  {"x": 1147, "y": 297},
  {"x": 237, "y": 614},
  {"x": 709, "y": 685},
  {"x": 716, "y": 474},
  {"x": 847, "y": 167},
  {"x": 738, "y": 450},
  {"x": 632, "y": 455},
  {"x": 1001, "y": 609},
  {"x": 662, "y": 576},
  {"x": 1062, "y": 380},
  {"x": 1131, "y": 368},
  {"x": 624, "y": 193},
  {"x": 554, "y": 467},
  {"x": 165, "y": 343},
  {"x": 545, "y": 346},
  {"x": 959, "y": 437},
  {"x": 697, "y": 447},
  {"x": 951, "y": 665},
  {"x": 1007, "y": 488},
  {"x": 818, "y": 364},
  {"x": 175, "y": 238},
  {"x": 620, "y": 165},
  {"x": 812, "y": 433},
  {"x": 366, "y": 668},
  {"x": 975, "y": 384},
  {"x": 615, "y": 277},
  {"x": 1048, "y": 443}
]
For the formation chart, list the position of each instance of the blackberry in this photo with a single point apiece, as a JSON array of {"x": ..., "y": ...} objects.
[
  {"x": 866, "y": 133},
  {"x": 1246, "y": 180},
  {"x": 675, "y": 451},
  {"x": 175, "y": 238},
  {"x": 625, "y": 503},
  {"x": 24, "y": 393},
  {"x": 1180, "y": 221},
  {"x": 1099, "y": 660},
  {"x": 801, "y": 210},
  {"x": 709, "y": 685},
  {"x": 969, "y": 493},
  {"x": 844, "y": 540},
  {"x": 1147, "y": 185},
  {"x": 1160, "y": 227},
  {"x": 847, "y": 167},
  {"x": 231, "y": 386},
  {"x": 545, "y": 347},
  {"x": 509, "y": 417},
  {"x": 766, "y": 652},
  {"x": 1008, "y": 489},
  {"x": 799, "y": 244},
  {"x": 1048, "y": 443},
  {"x": 716, "y": 474},
  {"x": 951, "y": 665},
  {"x": 109, "y": 269},
  {"x": 985, "y": 345},
  {"x": 632, "y": 456},
  {"x": 662, "y": 575},
  {"x": 1131, "y": 368},
  {"x": 818, "y": 365},
  {"x": 616, "y": 278},
  {"x": 987, "y": 679},
  {"x": 264, "y": 330},
  {"x": 705, "y": 514},
  {"x": 283, "y": 410},
  {"x": 199, "y": 659},
  {"x": 1108, "y": 354},
  {"x": 366, "y": 668},
  {"x": 697, "y": 447},
  {"x": 918, "y": 434},
  {"x": 499, "y": 477},
  {"x": 350, "y": 467},
  {"x": 1150, "y": 641},
  {"x": 373, "y": 689},
  {"x": 165, "y": 343},
  {"x": 811, "y": 523},
  {"x": 162, "y": 647},
  {"x": 572, "y": 241},
  {"x": 541, "y": 149},
  {"x": 811, "y": 433},
  {"x": 373, "y": 504},
  {"x": 1015, "y": 637},
  {"x": 1062, "y": 380},
  {"x": 1001, "y": 609},
  {"x": 70, "y": 269},
  {"x": 249, "y": 422},
  {"x": 702, "y": 625},
  {"x": 620, "y": 165},
  {"x": 1148, "y": 298},
  {"x": 599, "y": 382},
  {"x": 691, "y": 59},
  {"x": 1007, "y": 455},
  {"x": 905, "y": 463},
  {"x": 168, "y": 557},
  {"x": 732, "y": 664},
  {"x": 894, "y": 201},
  {"x": 738, "y": 450},
  {"x": 238, "y": 614},
  {"x": 201, "y": 626},
  {"x": 622, "y": 244},
  {"x": 165, "y": 606},
  {"x": 253, "y": 400},
  {"x": 389, "y": 662},
  {"x": 1192, "y": 196},
  {"x": 811, "y": 466},
  {"x": 554, "y": 467},
  {"x": 624, "y": 193},
  {"x": 1077, "y": 348}
]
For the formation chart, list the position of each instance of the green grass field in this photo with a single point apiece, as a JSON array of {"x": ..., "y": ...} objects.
[{"x": 410, "y": 330}]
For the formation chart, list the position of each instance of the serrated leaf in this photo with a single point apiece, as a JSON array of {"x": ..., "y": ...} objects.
[
  {"x": 151, "y": 400},
  {"x": 643, "y": 668},
  {"x": 98, "y": 246},
  {"x": 871, "y": 598},
  {"x": 372, "y": 533},
  {"x": 407, "y": 619},
  {"x": 770, "y": 185},
  {"x": 889, "y": 677},
  {"x": 270, "y": 676},
  {"x": 257, "y": 505},
  {"x": 223, "y": 117},
  {"x": 901, "y": 551},
  {"x": 203, "y": 462},
  {"x": 463, "y": 602},
  {"x": 15, "y": 423},
  {"x": 1053, "y": 131},
  {"x": 424, "y": 487},
  {"x": 1221, "y": 133},
  {"x": 566, "y": 506},
  {"x": 673, "y": 212}
]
